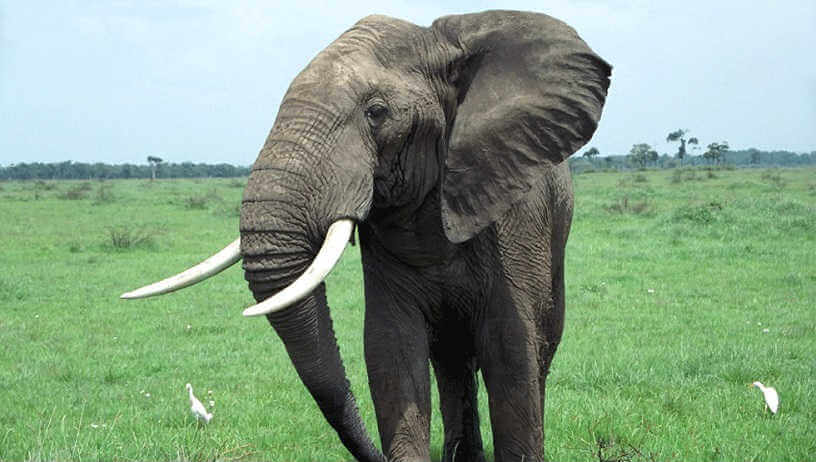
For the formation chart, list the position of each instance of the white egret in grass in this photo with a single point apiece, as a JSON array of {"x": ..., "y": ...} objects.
[
  {"x": 198, "y": 409},
  {"x": 770, "y": 394}
]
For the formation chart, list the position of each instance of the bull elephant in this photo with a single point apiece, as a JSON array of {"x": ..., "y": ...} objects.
[{"x": 445, "y": 146}]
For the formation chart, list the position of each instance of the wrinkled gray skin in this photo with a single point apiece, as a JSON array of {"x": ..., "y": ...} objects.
[{"x": 446, "y": 145}]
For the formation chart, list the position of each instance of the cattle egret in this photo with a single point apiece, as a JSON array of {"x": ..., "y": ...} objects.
[
  {"x": 771, "y": 397},
  {"x": 198, "y": 409}
]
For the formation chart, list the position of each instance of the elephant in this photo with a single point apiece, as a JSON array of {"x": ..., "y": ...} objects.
[{"x": 445, "y": 147}]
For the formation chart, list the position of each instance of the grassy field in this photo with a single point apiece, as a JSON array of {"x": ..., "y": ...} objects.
[{"x": 683, "y": 287}]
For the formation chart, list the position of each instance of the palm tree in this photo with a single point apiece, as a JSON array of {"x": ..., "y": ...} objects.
[
  {"x": 154, "y": 162},
  {"x": 679, "y": 135}
]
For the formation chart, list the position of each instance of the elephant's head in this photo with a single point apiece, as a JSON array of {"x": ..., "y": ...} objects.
[{"x": 469, "y": 112}]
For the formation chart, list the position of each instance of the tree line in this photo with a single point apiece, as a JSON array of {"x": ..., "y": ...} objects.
[
  {"x": 69, "y": 170},
  {"x": 641, "y": 155},
  {"x": 717, "y": 152}
]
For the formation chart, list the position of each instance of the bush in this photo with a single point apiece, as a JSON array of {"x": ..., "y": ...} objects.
[
  {"x": 44, "y": 186},
  {"x": 125, "y": 237},
  {"x": 630, "y": 180},
  {"x": 624, "y": 206},
  {"x": 196, "y": 202},
  {"x": 200, "y": 201},
  {"x": 104, "y": 194},
  {"x": 774, "y": 178},
  {"x": 225, "y": 210},
  {"x": 77, "y": 192},
  {"x": 702, "y": 214},
  {"x": 683, "y": 174}
]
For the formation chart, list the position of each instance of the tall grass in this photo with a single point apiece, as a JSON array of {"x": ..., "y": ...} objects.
[{"x": 670, "y": 314}]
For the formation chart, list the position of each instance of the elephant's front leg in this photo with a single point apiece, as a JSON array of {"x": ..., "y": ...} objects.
[
  {"x": 454, "y": 364},
  {"x": 396, "y": 352},
  {"x": 508, "y": 357}
]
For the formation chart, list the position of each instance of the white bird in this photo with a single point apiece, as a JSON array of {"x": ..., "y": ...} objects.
[
  {"x": 771, "y": 396},
  {"x": 198, "y": 409}
]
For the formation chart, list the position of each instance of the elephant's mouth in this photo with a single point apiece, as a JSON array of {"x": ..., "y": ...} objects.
[{"x": 335, "y": 242}]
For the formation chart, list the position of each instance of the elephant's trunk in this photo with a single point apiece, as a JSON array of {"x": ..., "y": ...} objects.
[
  {"x": 279, "y": 240},
  {"x": 307, "y": 333},
  {"x": 306, "y": 330}
]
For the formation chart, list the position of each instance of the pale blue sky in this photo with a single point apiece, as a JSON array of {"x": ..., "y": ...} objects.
[{"x": 201, "y": 80}]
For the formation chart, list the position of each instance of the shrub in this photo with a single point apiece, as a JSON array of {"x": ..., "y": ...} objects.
[
  {"x": 77, "y": 192},
  {"x": 104, "y": 194},
  {"x": 233, "y": 210},
  {"x": 200, "y": 201},
  {"x": 44, "y": 186},
  {"x": 774, "y": 178},
  {"x": 196, "y": 202},
  {"x": 630, "y": 180},
  {"x": 698, "y": 213},
  {"x": 598, "y": 289},
  {"x": 680, "y": 175},
  {"x": 624, "y": 206},
  {"x": 125, "y": 237}
]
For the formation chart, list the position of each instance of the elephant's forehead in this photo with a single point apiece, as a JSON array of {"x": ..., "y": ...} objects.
[
  {"x": 361, "y": 56},
  {"x": 340, "y": 69},
  {"x": 341, "y": 77}
]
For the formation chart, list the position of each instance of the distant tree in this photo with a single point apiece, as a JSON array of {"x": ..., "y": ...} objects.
[
  {"x": 154, "y": 162},
  {"x": 679, "y": 135},
  {"x": 754, "y": 155},
  {"x": 591, "y": 153},
  {"x": 716, "y": 152},
  {"x": 641, "y": 154}
]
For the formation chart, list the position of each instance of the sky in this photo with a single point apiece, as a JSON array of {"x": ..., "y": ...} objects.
[{"x": 201, "y": 80}]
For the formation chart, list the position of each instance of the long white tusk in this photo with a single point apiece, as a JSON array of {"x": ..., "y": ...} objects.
[
  {"x": 336, "y": 239},
  {"x": 222, "y": 260}
]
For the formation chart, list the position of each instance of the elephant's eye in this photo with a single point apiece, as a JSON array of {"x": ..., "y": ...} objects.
[{"x": 376, "y": 114}]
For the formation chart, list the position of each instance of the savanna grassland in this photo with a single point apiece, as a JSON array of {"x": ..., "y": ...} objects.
[{"x": 683, "y": 287}]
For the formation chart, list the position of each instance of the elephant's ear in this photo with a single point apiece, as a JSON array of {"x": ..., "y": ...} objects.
[{"x": 529, "y": 92}]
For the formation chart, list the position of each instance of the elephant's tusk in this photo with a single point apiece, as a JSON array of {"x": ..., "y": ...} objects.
[
  {"x": 336, "y": 239},
  {"x": 222, "y": 260}
]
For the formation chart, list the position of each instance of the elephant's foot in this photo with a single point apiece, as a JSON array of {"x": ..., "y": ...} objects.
[
  {"x": 507, "y": 455},
  {"x": 460, "y": 451}
]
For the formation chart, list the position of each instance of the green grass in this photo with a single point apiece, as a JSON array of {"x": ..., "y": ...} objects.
[{"x": 671, "y": 280}]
